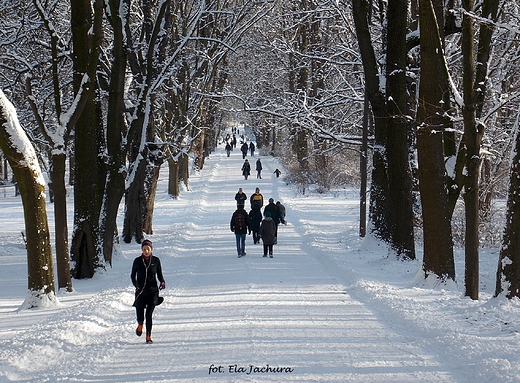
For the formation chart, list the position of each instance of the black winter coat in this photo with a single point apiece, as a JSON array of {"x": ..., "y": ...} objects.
[
  {"x": 268, "y": 231},
  {"x": 271, "y": 208},
  {"x": 255, "y": 216},
  {"x": 236, "y": 230},
  {"x": 144, "y": 277}
]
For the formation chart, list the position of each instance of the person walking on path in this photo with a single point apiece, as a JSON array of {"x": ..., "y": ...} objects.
[
  {"x": 281, "y": 213},
  {"x": 146, "y": 269},
  {"x": 252, "y": 149},
  {"x": 244, "y": 148},
  {"x": 228, "y": 148},
  {"x": 258, "y": 168},
  {"x": 255, "y": 217},
  {"x": 271, "y": 208},
  {"x": 241, "y": 227},
  {"x": 256, "y": 196},
  {"x": 277, "y": 172},
  {"x": 240, "y": 197},
  {"x": 268, "y": 234},
  {"x": 246, "y": 169}
]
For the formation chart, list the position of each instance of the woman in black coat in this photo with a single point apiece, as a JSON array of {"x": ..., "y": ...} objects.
[
  {"x": 146, "y": 269},
  {"x": 246, "y": 169},
  {"x": 268, "y": 234}
]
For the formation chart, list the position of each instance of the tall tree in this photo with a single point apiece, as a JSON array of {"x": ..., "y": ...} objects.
[
  {"x": 399, "y": 123},
  {"x": 116, "y": 127},
  {"x": 438, "y": 257},
  {"x": 86, "y": 27},
  {"x": 391, "y": 202},
  {"x": 474, "y": 84},
  {"x": 23, "y": 160}
]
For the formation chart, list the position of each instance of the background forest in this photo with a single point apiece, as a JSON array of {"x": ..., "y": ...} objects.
[{"x": 417, "y": 102}]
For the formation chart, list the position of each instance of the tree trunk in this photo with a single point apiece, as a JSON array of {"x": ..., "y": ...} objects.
[
  {"x": 472, "y": 138},
  {"x": 379, "y": 213},
  {"x": 60, "y": 221},
  {"x": 399, "y": 172},
  {"x": 135, "y": 202},
  {"x": 22, "y": 158},
  {"x": 438, "y": 244},
  {"x": 116, "y": 131},
  {"x": 86, "y": 248},
  {"x": 508, "y": 274},
  {"x": 173, "y": 177}
]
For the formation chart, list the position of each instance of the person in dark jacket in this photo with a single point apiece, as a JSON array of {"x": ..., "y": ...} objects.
[
  {"x": 246, "y": 169},
  {"x": 258, "y": 168},
  {"x": 268, "y": 234},
  {"x": 281, "y": 213},
  {"x": 241, "y": 227},
  {"x": 229, "y": 148},
  {"x": 255, "y": 217},
  {"x": 273, "y": 211},
  {"x": 240, "y": 197},
  {"x": 244, "y": 148},
  {"x": 252, "y": 149},
  {"x": 146, "y": 269}
]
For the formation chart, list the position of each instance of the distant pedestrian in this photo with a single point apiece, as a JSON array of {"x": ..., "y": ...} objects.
[
  {"x": 244, "y": 148},
  {"x": 246, "y": 169},
  {"x": 258, "y": 168},
  {"x": 258, "y": 197},
  {"x": 240, "y": 197},
  {"x": 255, "y": 217},
  {"x": 268, "y": 234},
  {"x": 240, "y": 225},
  {"x": 252, "y": 149},
  {"x": 277, "y": 172},
  {"x": 281, "y": 213},
  {"x": 273, "y": 213},
  {"x": 228, "y": 148},
  {"x": 146, "y": 269}
]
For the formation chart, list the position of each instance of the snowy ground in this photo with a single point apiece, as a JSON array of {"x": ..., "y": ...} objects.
[{"x": 329, "y": 307}]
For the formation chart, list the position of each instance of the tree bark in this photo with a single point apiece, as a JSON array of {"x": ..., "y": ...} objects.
[
  {"x": 60, "y": 221},
  {"x": 399, "y": 172},
  {"x": 379, "y": 189},
  {"x": 86, "y": 250},
  {"x": 22, "y": 158},
  {"x": 116, "y": 130},
  {"x": 438, "y": 257},
  {"x": 472, "y": 138}
]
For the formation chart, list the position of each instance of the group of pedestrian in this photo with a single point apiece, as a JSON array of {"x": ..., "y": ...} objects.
[
  {"x": 246, "y": 169},
  {"x": 264, "y": 226},
  {"x": 147, "y": 276}
]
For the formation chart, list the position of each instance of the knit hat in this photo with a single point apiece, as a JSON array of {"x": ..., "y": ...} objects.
[{"x": 147, "y": 242}]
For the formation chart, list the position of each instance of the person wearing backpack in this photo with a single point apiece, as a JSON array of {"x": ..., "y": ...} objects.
[{"x": 240, "y": 225}]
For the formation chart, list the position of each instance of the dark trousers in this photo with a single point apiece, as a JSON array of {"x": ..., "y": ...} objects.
[
  {"x": 268, "y": 248},
  {"x": 141, "y": 316},
  {"x": 256, "y": 237}
]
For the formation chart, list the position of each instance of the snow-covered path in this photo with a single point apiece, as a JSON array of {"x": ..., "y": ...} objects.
[{"x": 224, "y": 319}]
